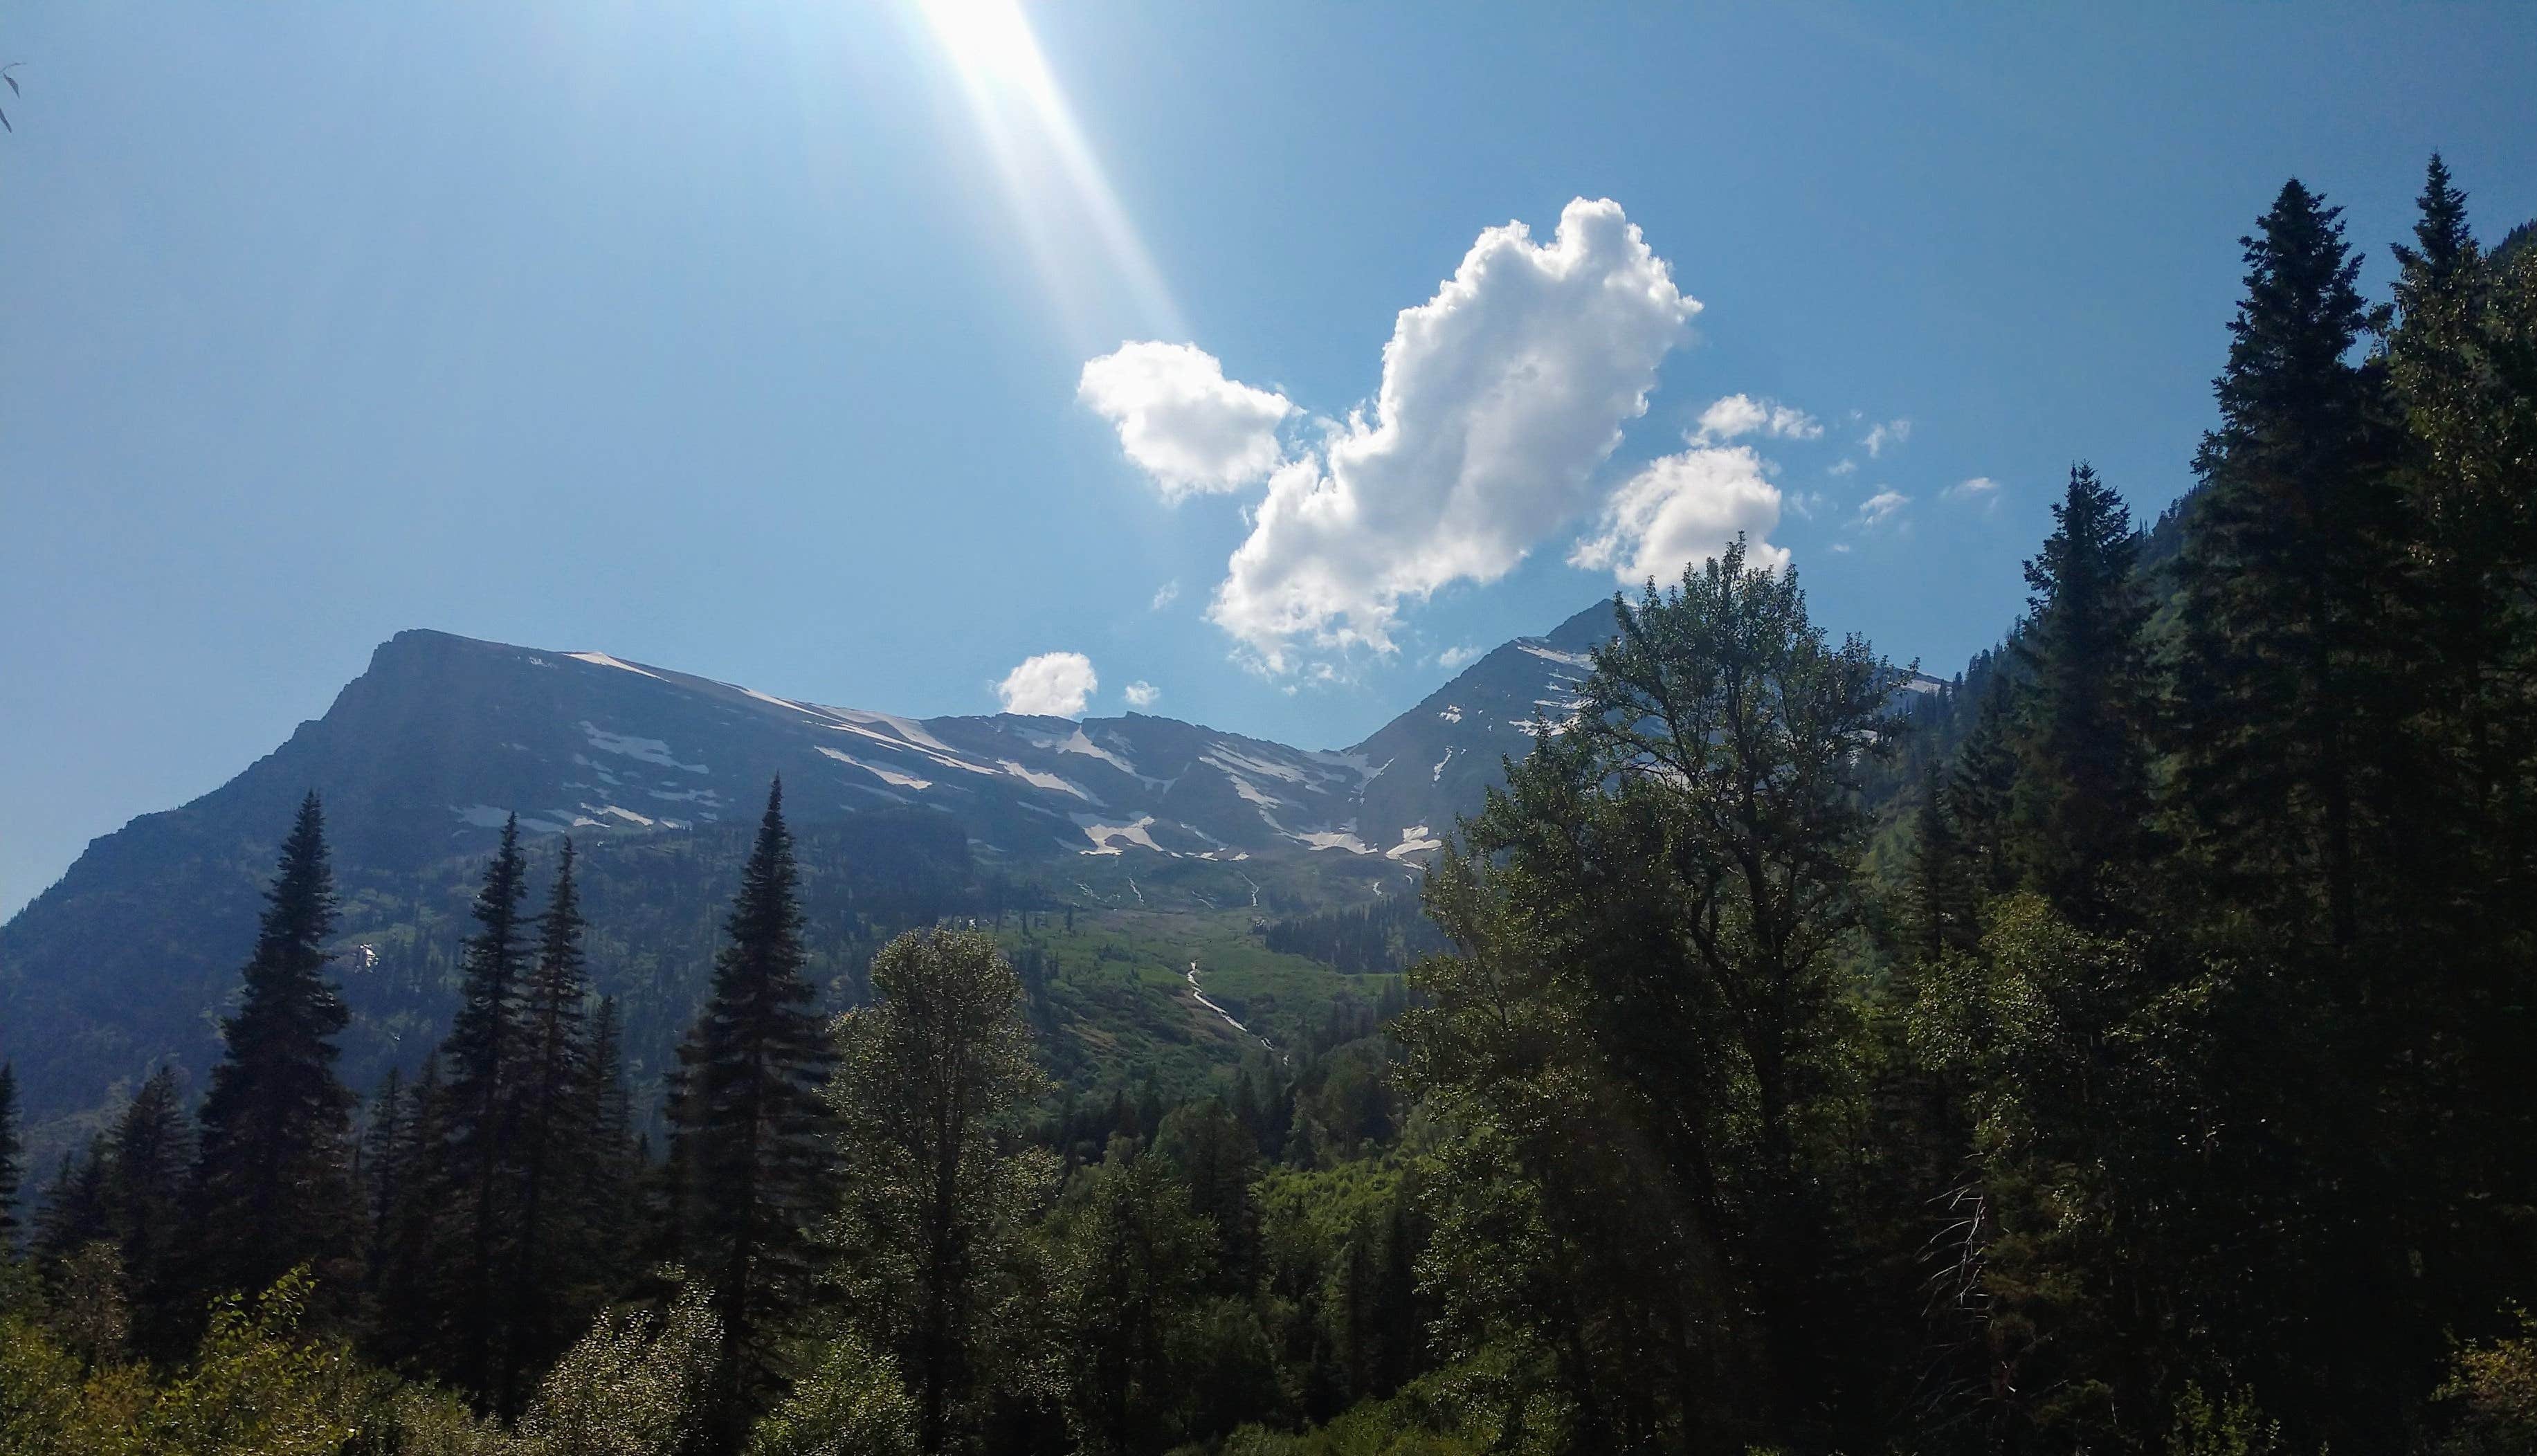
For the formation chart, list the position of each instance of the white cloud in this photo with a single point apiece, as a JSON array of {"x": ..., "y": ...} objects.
[
  {"x": 1845, "y": 467},
  {"x": 1880, "y": 507},
  {"x": 1167, "y": 593},
  {"x": 1739, "y": 415},
  {"x": 1053, "y": 684},
  {"x": 1979, "y": 488},
  {"x": 1891, "y": 432},
  {"x": 1500, "y": 396},
  {"x": 1455, "y": 658},
  {"x": 1142, "y": 694},
  {"x": 1185, "y": 423},
  {"x": 1685, "y": 509}
]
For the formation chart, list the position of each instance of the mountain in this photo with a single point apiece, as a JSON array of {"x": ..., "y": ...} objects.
[{"x": 133, "y": 956}]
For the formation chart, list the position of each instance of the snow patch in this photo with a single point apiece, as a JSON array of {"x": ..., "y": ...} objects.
[
  {"x": 601, "y": 659},
  {"x": 1108, "y": 834},
  {"x": 646, "y": 750},
  {"x": 886, "y": 776}
]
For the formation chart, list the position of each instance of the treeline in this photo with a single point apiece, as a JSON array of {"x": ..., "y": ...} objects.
[
  {"x": 1386, "y": 936},
  {"x": 870, "y": 1232},
  {"x": 2179, "y": 1091}
]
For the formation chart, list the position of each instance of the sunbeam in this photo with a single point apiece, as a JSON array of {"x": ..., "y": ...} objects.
[{"x": 1058, "y": 191}]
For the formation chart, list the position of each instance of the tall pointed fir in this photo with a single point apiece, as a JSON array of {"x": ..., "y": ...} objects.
[
  {"x": 1981, "y": 785},
  {"x": 611, "y": 1175},
  {"x": 416, "y": 1235},
  {"x": 553, "y": 1268},
  {"x": 484, "y": 1046},
  {"x": 150, "y": 1158},
  {"x": 273, "y": 1185},
  {"x": 2082, "y": 796},
  {"x": 2281, "y": 680},
  {"x": 752, "y": 1125},
  {"x": 12, "y": 1172}
]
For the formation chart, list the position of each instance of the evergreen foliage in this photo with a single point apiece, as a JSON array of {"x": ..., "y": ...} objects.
[
  {"x": 752, "y": 1126},
  {"x": 12, "y": 1170},
  {"x": 272, "y": 1189}
]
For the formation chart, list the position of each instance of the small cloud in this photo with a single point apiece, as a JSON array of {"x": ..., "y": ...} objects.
[
  {"x": 1891, "y": 432},
  {"x": 1142, "y": 694},
  {"x": 1167, "y": 593},
  {"x": 1681, "y": 510},
  {"x": 1841, "y": 548},
  {"x": 1453, "y": 659},
  {"x": 1742, "y": 415},
  {"x": 1979, "y": 488},
  {"x": 1880, "y": 507},
  {"x": 1845, "y": 466},
  {"x": 1053, "y": 684},
  {"x": 1181, "y": 420}
]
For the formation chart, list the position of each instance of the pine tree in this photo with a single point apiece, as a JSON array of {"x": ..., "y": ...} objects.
[
  {"x": 752, "y": 1125},
  {"x": 150, "y": 1158},
  {"x": 273, "y": 1185},
  {"x": 12, "y": 1173},
  {"x": 2281, "y": 683},
  {"x": 555, "y": 1134},
  {"x": 2082, "y": 794},
  {"x": 2447, "y": 243},
  {"x": 612, "y": 1173},
  {"x": 417, "y": 1233},
  {"x": 484, "y": 1048}
]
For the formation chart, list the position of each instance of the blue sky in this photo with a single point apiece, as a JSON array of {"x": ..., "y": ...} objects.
[{"x": 751, "y": 340}]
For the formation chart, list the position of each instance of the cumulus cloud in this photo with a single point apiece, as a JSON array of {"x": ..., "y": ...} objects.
[
  {"x": 1685, "y": 509},
  {"x": 1891, "y": 432},
  {"x": 1880, "y": 507},
  {"x": 1167, "y": 593},
  {"x": 1454, "y": 658},
  {"x": 1185, "y": 423},
  {"x": 1499, "y": 398},
  {"x": 1979, "y": 488},
  {"x": 1739, "y": 415},
  {"x": 1142, "y": 694},
  {"x": 1053, "y": 684},
  {"x": 1843, "y": 467}
]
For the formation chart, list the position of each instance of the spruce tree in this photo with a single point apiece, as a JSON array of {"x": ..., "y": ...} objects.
[
  {"x": 12, "y": 1172},
  {"x": 2282, "y": 691},
  {"x": 273, "y": 1185},
  {"x": 556, "y": 1134},
  {"x": 484, "y": 1048},
  {"x": 2082, "y": 793},
  {"x": 752, "y": 1126},
  {"x": 150, "y": 1157},
  {"x": 1982, "y": 785},
  {"x": 417, "y": 1233}
]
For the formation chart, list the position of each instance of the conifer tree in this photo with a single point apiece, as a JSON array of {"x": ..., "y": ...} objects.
[
  {"x": 612, "y": 1173},
  {"x": 150, "y": 1157},
  {"x": 418, "y": 1234},
  {"x": 752, "y": 1126},
  {"x": 12, "y": 1173},
  {"x": 486, "y": 1045},
  {"x": 555, "y": 1134},
  {"x": 2282, "y": 688},
  {"x": 2082, "y": 792},
  {"x": 273, "y": 1185}
]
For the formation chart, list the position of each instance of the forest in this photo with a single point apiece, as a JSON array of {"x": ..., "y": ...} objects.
[{"x": 2130, "y": 1049}]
